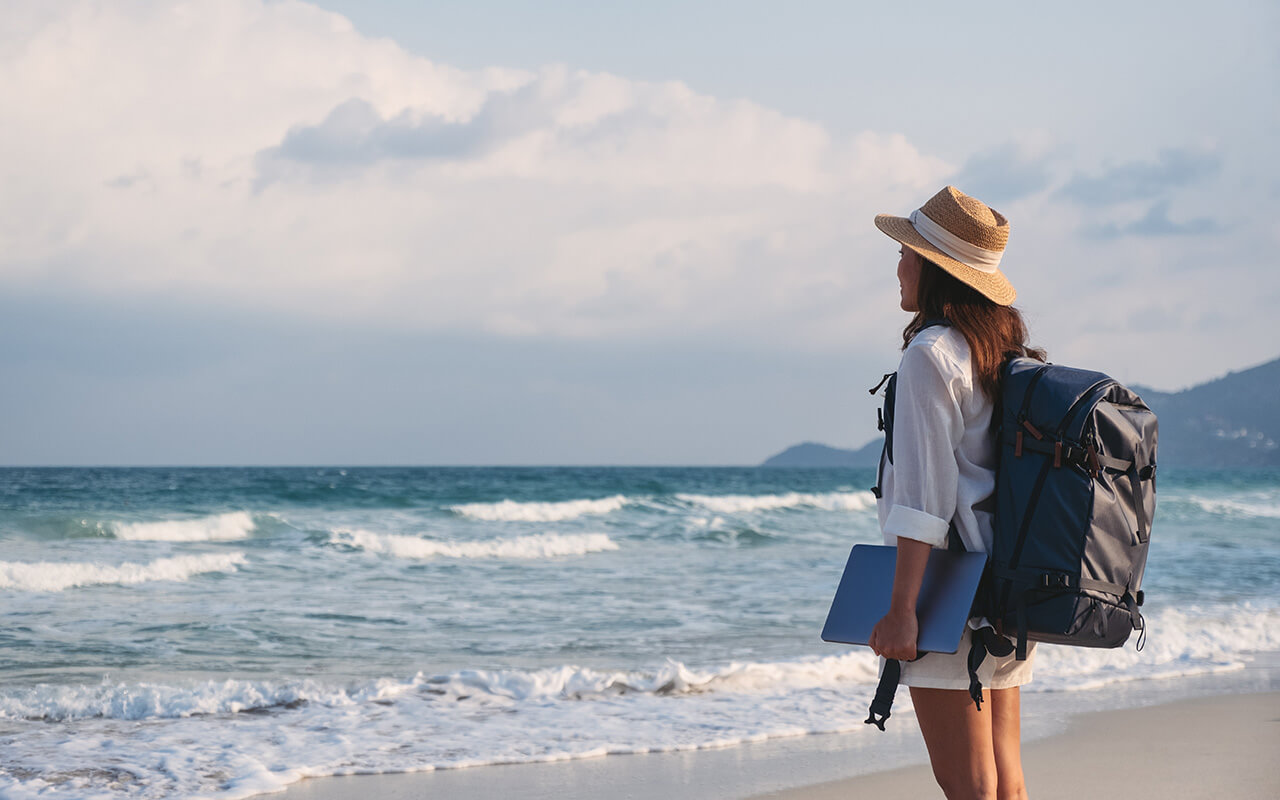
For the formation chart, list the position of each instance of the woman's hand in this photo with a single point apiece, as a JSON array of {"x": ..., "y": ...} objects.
[{"x": 894, "y": 636}]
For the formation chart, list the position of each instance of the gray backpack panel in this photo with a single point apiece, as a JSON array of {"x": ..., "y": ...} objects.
[{"x": 1075, "y": 495}]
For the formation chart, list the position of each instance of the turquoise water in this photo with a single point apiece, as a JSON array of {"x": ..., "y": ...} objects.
[{"x": 248, "y": 622}]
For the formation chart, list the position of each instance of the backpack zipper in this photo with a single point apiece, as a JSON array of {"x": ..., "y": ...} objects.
[
  {"x": 1031, "y": 387},
  {"x": 1080, "y": 401}
]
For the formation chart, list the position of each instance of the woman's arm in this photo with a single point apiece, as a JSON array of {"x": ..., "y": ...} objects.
[
  {"x": 894, "y": 636},
  {"x": 927, "y": 427}
]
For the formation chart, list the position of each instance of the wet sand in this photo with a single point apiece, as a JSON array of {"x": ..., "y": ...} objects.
[{"x": 1206, "y": 747}]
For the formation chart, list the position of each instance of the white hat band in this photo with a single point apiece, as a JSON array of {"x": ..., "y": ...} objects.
[{"x": 970, "y": 255}]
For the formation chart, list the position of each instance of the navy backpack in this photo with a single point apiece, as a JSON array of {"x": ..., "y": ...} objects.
[{"x": 1074, "y": 500}]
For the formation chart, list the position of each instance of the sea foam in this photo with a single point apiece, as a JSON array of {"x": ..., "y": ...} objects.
[
  {"x": 739, "y": 503},
  {"x": 1255, "y": 507},
  {"x": 52, "y": 576},
  {"x": 220, "y": 527},
  {"x": 1183, "y": 642},
  {"x": 543, "y": 545},
  {"x": 473, "y": 717},
  {"x": 139, "y": 701},
  {"x": 142, "y": 701},
  {"x": 512, "y": 511}
]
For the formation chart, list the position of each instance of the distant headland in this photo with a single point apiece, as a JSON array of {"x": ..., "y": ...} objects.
[{"x": 1233, "y": 421}]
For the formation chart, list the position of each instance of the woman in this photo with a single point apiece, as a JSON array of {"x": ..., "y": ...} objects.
[{"x": 943, "y": 475}]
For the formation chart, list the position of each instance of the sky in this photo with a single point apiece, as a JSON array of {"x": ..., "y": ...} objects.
[{"x": 378, "y": 232}]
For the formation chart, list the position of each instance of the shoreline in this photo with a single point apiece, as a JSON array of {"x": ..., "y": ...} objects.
[
  {"x": 1206, "y": 747},
  {"x": 1210, "y": 735}
]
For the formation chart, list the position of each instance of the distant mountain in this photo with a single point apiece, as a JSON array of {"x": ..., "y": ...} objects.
[
  {"x": 1233, "y": 421},
  {"x": 812, "y": 454}
]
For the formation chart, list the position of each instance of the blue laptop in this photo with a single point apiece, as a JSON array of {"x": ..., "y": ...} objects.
[{"x": 946, "y": 595}]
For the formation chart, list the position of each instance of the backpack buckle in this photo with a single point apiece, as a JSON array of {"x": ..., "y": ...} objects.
[{"x": 1049, "y": 580}]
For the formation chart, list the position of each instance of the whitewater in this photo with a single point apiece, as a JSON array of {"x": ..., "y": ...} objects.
[{"x": 226, "y": 632}]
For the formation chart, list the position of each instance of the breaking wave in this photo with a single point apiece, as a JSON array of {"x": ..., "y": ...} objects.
[
  {"x": 544, "y": 545},
  {"x": 1194, "y": 641},
  {"x": 140, "y": 701},
  {"x": 51, "y": 576},
  {"x": 739, "y": 503},
  {"x": 512, "y": 511},
  {"x": 217, "y": 528},
  {"x": 160, "y": 701},
  {"x": 1234, "y": 508}
]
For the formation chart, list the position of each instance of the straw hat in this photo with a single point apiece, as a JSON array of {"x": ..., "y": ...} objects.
[{"x": 960, "y": 234}]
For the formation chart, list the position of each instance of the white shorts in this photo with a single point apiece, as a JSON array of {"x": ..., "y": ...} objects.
[{"x": 951, "y": 670}]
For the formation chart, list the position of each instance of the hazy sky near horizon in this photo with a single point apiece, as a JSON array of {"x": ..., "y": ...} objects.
[{"x": 380, "y": 232}]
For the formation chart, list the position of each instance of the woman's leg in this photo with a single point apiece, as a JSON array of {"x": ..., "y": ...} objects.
[
  {"x": 960, "y": 742},
  {"x": 1006, "y": 737},
  {"x": 976, "y": 755}
]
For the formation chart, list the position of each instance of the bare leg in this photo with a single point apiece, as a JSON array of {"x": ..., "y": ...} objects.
[
  {"x": 1006, "y": 736},
  {"x": 960, "y": 742}
]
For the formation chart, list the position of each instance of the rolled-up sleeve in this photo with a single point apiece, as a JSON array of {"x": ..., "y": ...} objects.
[{"x": 928, "y": 425}]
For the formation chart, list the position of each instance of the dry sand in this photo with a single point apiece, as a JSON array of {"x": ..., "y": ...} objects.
[
  {"x": 1211, "y": 747},
  {"x": 1214, "y": 747}
]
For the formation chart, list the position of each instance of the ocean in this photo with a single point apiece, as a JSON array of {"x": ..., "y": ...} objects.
[{"x": 222, "y": 632}]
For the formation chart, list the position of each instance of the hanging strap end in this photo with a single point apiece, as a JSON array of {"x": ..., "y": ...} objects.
[{"x": 879, "y": 723}]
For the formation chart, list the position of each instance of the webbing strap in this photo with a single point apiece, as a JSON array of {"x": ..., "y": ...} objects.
[
  {"x": 996, "y": 644},
  {"x": 1135, "y": 618},
  {"x": 884, "y": 416},
  {"x": 1071, "y": 453},
  {"x": 977, "y": 654},
  {"x": 1103, "y": 586},
  {"x": 1022, "y": 626},
  {"x": 1139, "y": 508},
  {"x": 1118, "y": 464},
  {"x": 985, "y": 640},
  {"x": 1039, "y": 580},
  {"x": 885, "y": 691},
  {"x": 872, "y": 391},
  {"x": 885, "y": 420},
  {"x": 1028, "y": 513}
]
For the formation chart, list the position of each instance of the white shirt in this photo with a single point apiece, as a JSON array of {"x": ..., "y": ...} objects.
[{"x": 944, "y": 456}]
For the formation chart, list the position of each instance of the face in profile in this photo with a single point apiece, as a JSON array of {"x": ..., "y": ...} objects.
[{"x": 909, "y": 278}]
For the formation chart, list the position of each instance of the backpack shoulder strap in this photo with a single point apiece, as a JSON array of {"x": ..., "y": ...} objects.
[
  {"x": 884, "y": 422},
  {"x": 884, "y": 415}
]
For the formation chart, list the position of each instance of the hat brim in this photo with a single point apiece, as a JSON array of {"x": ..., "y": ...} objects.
[{"x": 992, "y": 285}]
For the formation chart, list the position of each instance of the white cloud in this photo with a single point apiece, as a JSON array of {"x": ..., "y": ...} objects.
[{"x": 268, "y": 155}]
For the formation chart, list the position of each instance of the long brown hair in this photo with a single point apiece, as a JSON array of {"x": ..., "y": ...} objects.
[{"x": 995, "y": 333}]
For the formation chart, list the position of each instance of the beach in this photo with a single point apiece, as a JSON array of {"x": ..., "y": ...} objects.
[
  {"x": 521, "y": 632},
  {"x": 1210, "y": 747},
  {"x": 1206, "y": 747},
  {"x": 486, "y": 400}
]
